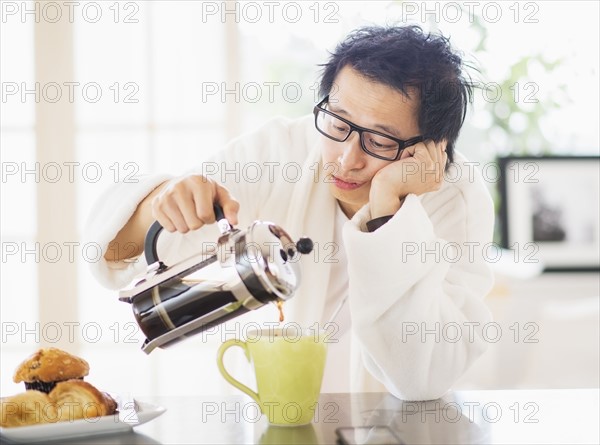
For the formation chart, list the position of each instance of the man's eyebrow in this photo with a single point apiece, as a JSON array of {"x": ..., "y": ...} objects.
[
  {"x": 380, "y": 127},
  {"x": 389, "y": 130}
]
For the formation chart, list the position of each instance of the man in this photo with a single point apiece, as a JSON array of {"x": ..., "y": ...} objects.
[{"x": 393, "y": 234}]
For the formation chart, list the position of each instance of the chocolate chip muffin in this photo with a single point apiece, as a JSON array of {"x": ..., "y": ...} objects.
[{"x": 42, "y": 370}]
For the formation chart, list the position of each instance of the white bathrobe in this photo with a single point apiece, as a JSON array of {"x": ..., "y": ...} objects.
[{"x": 416, "y": 285}]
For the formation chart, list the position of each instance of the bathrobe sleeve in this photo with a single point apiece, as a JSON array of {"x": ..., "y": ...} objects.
[
  {"x": 417, "y": 286},
  {"x": 257, "y": 168}
]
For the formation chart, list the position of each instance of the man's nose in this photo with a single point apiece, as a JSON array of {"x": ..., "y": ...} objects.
[{"x": 352, "y": 156}]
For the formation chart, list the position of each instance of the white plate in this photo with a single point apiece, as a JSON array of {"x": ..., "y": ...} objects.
[{"x": 131, "y": 413}]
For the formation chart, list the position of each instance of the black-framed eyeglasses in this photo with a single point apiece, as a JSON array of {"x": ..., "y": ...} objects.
[{"x": 374, "y": 143}]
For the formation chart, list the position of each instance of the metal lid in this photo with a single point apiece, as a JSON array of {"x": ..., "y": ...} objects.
[{"x": 273, "y": 257}]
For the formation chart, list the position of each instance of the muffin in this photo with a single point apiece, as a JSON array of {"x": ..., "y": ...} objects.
[
  {"x": 42, "y": 370},
  {"x": 28, "y": 408}
]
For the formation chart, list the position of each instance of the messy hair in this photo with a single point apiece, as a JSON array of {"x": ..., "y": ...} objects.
[{"x": 408, "y": 59}]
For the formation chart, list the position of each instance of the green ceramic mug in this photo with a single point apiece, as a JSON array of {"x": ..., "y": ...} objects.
[{"x": 288, "y": 365}]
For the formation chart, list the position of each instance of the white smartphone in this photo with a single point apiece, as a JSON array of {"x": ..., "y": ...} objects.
[{"x": 372, "y": 435}]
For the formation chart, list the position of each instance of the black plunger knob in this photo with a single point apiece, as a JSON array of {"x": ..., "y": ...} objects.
[{"x": 304, "y": 245}]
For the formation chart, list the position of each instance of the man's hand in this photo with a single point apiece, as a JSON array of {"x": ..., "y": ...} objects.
[
  {"x": 419, "y": 170},
  {"x": 186, "y": 203},
  {"x": 181, "y": 204}
]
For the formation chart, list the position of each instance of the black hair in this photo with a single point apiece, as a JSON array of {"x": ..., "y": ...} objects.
[{"x": 404, "y": 57}]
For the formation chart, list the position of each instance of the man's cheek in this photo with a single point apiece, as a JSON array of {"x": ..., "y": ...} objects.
[{"x": 328, "y": 154}]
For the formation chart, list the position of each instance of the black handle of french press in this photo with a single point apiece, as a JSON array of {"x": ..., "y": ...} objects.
[
  {"x": 219, "y": 215},
  {"x": 152, "y": 236},
  {"x": 150, "y": 242}
]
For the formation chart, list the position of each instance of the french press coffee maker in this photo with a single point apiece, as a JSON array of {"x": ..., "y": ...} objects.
[{"x": 252, "y": 268}]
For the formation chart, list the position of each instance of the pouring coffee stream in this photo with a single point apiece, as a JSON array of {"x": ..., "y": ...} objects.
[{"x": 173, "y": 302}]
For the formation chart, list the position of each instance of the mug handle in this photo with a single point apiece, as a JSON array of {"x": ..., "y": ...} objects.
[{"x": 226, "y": 345}]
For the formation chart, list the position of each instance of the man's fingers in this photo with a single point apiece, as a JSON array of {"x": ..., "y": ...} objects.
[
  {"x": 229, "y": 205},
  {"x": 408, "y": 152},
  {"x": 203, "y": 201},
  {"x": 187, "y": 209},
  {"x": 425, "y": 154},
  {"x": 437, "y": 153},
  {"x": 434, "y": 153},
  {"x": 169, "y": 217},
  {"x": 188, "y": 204}
]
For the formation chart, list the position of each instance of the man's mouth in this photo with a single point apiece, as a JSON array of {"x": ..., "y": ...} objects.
[{"x": 346, "y": 184}]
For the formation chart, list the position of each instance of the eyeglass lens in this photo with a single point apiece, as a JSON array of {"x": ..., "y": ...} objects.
[{"x": 373, "y": 143}]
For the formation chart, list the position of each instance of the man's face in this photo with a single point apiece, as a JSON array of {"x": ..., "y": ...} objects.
[{"x": 370, "y": 105}]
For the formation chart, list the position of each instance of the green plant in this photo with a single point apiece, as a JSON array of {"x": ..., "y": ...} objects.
[{"x": 516, "y": 104}]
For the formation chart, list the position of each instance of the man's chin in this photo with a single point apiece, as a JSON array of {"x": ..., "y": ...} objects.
[{"x": 350, "y": 200}]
